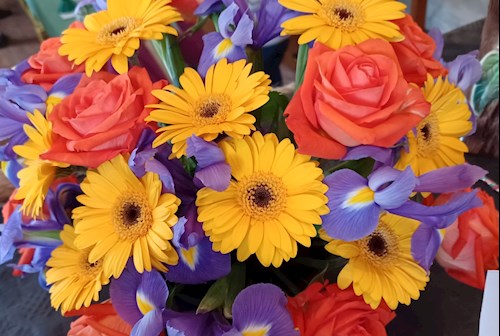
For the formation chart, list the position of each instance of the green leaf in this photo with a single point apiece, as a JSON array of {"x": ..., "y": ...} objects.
[
  {"x": 215, "y": 297},
  {"x": 363, "y": 166},
  {"x": 170, "y": 53},
  {"x": 301, "y": 64},
  {"x": 270, "y": 116},
  {"x": 189, "y": 164},
  {"x": 236, "y": 280}
]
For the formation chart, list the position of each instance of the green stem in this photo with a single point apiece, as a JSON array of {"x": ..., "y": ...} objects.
[
  {"x": 301, "y": 65},
  {"x": 255, "y": 57},
  {"x": 171, "y": 57},
  {"x": 215, "y": 20},
  {"x": 194, "y": 28}
]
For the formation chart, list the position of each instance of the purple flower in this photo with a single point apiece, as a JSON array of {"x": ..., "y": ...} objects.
[
  {"x": 465, "y": 70},
  {"x": 212, "y": 170},
  {"x": 356, "y": 202},
  {"x": 17, "y": 99},
  {"x": 10, "y": 169},
  {"x": 235, "y": 33},
  {"x": 382, "y": 156},
  {"x": 437, "y": 36},
  {"x": 198, "y": 263},
  {"x": 144, "y": 158},
  {"x": 140, "y": 300},
  {"x": 261, "y": 310},
  {"x": 268, "y": 19},
  {"x": 189, "y": 323},
  {"x": 209, "y": 7},
  {"x": 97, "y": 5},
  {"x": 425, "y": 244}
]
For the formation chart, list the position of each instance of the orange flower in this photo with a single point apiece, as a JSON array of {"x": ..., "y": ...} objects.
[
  {"x": 353, "y": 96},
  {"x": 98, "y": 320},
  {"x": 47, "y": 66},
  {"x": 325, "y": 310},
  {"x": 103, "y": 117},
  {"x": 415, "y": 53},
  {"x": 470, "y": 245}
]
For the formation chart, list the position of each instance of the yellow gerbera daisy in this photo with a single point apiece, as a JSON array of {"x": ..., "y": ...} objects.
[
  {"x": 75, "y": 281},
  {"x": 381, "y": 265},
  {"x": 436, "y": 142},
  {"x": 115, "y": 33},
  {"x": 38, "y": 175},
  {"x": 123, "y": 215},
  {"x": 338, "y": 23},
  {"x": 220, "y": 105},
  {"x": 271, "y": 204}
]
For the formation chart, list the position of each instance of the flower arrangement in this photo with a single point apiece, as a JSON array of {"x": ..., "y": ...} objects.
[{"x": 153, "y": 154}]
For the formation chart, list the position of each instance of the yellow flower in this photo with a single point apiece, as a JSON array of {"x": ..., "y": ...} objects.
[
  {"x": 220, "y": 105},
  {"x": 271, "y": 204},
  {"x": 338, "y": 23},
  {"x": 123, "y": 215},
  {"x": 75, "y": 282},
  {"x": 381, "y": 265},
  {"x": 115, "y": 33},
  {"x": 38, "y": 175},
  {"x": 436, "y": 142}
]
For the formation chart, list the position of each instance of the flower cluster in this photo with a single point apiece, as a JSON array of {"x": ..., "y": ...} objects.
[{"x": 198, "y": 192}]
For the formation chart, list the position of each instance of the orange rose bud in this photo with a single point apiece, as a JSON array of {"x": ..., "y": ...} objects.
[
  {"x": 415, "y": 53},
  {"x": 470, "y": 245},
  {"x": 353, "y": 96},
  {"x": 103, "y": 117},
  {"x": 324, "y": 310}
]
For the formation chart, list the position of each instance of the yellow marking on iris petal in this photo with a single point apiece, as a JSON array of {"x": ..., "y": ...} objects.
[
  {"x": 190, "y": 257},
  {"x": 223, "y": 47},
  {"x": 259, "y": 331},
  {"x": 143, "y": 303},
  {"x": 361, "y": 196}
]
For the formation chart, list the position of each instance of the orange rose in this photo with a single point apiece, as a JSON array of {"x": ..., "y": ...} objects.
[
  {"x": 102, "y": 118},
  {"x": 470, "y": 245},
  {"x": 47, "y": 66},
  {"x": 325, "y": 310},
  {"x": 98, "y": 320},
  {"x": 415, "y": 53},
  {"x": 353, "y": 96}
]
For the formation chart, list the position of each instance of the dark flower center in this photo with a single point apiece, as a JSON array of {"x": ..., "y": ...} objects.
[
  {"x": 118, "y": 30},
  {"x": 210, "y": 109},
  {"x": 262, "y": 196},
  {"x": 426, "y": 132},
  {"x": 342, "y": 13},
  {"x": 377, "y": 245},
  {"x": 131, "y": 214}
]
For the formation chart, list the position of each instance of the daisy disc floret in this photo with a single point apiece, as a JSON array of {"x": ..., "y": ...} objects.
[
  {"x": 114, "y": 34},
  {"x": 338, "y": 23},
  {"x": 436, "y": 141},
  {"x": 75, "y": 282},
  {"x": 123, "y": 215},
  {"x": 220, "y": 104},
  {"x": 272, "y": 203},
  {"x": 381, "y": 265}
]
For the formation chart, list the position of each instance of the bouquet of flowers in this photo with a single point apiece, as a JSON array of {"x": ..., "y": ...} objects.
[{"x": 156, "y": 151}]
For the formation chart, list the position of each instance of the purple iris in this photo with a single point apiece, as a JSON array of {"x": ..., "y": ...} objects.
[
  {"x": 198, "y": 263},
  {"x": 438, "y": 38},
  {"x": 261, "y": 310},
  {"x": 212, "y": 170},
  {"x": 382, "y": 156},
  {"x": 209, "y": 7},
  {"x": 144, "y": 158},
  {"x": 10, "y": 170},
  {"x": 190, "y": 323},
  {"x": 140, "y": 300},
  {"x": 97, "y": 5},
  {"x": 465, "y": 70},
  {"x": 356, "y": 202},
  {"x": 235, "y": 33},
  {"x": 17, "y": 99}
]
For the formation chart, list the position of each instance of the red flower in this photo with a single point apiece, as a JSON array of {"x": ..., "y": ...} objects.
[
  {"x": 47, "y": 66},
  {"x": 98, "y": 320},
  {"x": 326, "y": 310},
  {"x": 415, "y": 53},
  {"x": 103, "y": 117},
  {"x": 470, "y": 245},
  {"x": 353, "y": 96}
]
